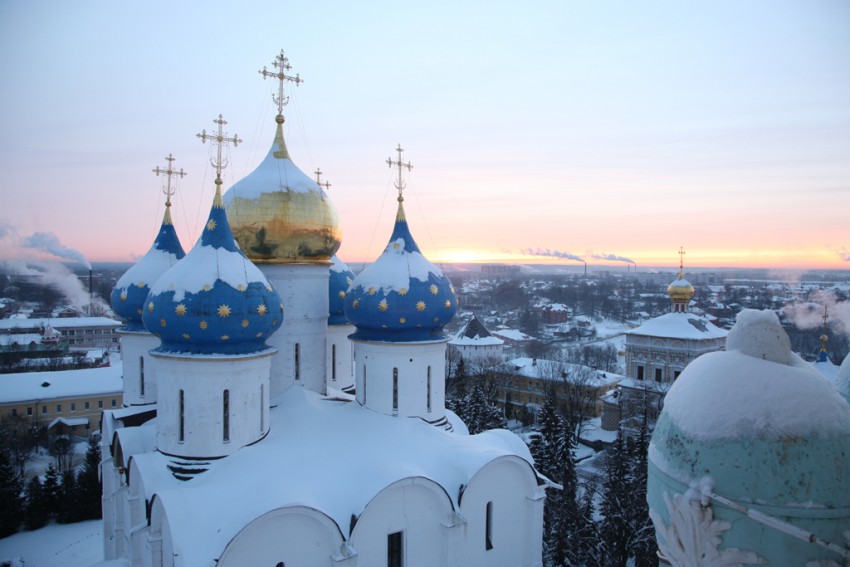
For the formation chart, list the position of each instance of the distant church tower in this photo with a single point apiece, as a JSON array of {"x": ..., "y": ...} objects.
[
  {"x": 399, "y": 305},
  {"x": 128, "y": 300},
  {"x": 284, "y": 222},
  {"x": 213, "y": 312}
]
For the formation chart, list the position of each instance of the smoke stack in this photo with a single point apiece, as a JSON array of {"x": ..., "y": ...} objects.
[
  {"x": 585, "y": 269},
  {"x": 91, "y": 290}
]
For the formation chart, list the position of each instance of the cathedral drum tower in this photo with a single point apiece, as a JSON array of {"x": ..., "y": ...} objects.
[{"x": 285, "y": 223}]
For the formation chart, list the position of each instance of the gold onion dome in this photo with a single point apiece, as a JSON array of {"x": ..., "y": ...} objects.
[{"x": 681, "y": 289}]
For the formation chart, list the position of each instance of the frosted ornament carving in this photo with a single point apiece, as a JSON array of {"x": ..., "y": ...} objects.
[{"x": 694, "y": 536}]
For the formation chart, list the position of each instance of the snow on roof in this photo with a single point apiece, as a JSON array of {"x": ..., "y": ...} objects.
[
  {"x": 136, "y": 441},
  {"x": 57, "y": 323},
  {"x": 29, "y": 386},
  {"x": 679, "y": 326},
  {"x": 69, "y": 421},
  {"x": 512, "y": 334},
  {"x": 555, "y": 370},
  {"x": 475, "y": 333},
  {"x": 827, "y": 368},
  {"x": 756, "y": 388},
  {"x": 303, "y": 454}
]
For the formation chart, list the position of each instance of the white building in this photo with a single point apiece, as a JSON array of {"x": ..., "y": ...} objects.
[
  {"x": 476, "y": 345},
  {"x": 249, "y": 462}
]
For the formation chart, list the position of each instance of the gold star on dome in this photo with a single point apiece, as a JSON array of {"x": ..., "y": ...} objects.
[
  {"x": 150, "y": 307},
  {"x": 269, "y": 287},
  {"x": 224, "y": 337},
  {"x": 433, "y": 289},
  {"x": 260, "y": 334},
  {"x": 356, "y": 303},
  {"x": 261, "y": 309},
  {"x": 349, "y": 281},
  {"x": 211, "y": 225},
  {"x": 402, "y": 291},
  {"x": 206, "y": 287},
  {"x": 245, "y": 322},
  {"x": 341, "y": 294},
  {"x": 162, "y": 322},
  {"x": 448, "y": 304},
  {"x": 241, "y": 287},
  {"x": 140, "y": 284},
  {"x": 203, "y": 324},
  {"x": 436, "y": 319},
  {"x": 383, "y": 305},
  {"x": 223, "y": 310},
  {"x": 395, "y": 245},
  {"x": 139, "y": 311},
  {"x": 420, "y": 306},
  {"x": 402, "y": 320},
  {"x": 123, "y": 296},
  {"x": 180, "y": 310},
  {"x": 186, "y": 336},
  {"x": 371, "y": 291}
]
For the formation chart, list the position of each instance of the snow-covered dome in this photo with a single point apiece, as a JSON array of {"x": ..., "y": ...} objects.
[
  {"x": 214, "y": 300},
  {"x": 279, "y": 214},
  {"x": 842, "y": 381},
  {"x": 755, "y": 425},
  {"x": 128, "y": 296},
  {"x": 402, "y": 296},
  {"x": 341, "y": 277}
]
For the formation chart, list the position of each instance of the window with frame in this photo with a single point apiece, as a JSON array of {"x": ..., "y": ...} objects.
[
  {"x": 395, "y": 389},
  {"x": 659, "y": 374},
  {"x": 225, "y": 416},
  {"x": 428, "y": 386},
  {"x": 182, "y": 425},
  {"x": 640, "y": 372},
  {"x": 297, "y": 361},
  {"x": 142, "y": 376},
  {"x": 395, "y": 549},
  {"x": 488, "y": 528},
  {"x": 333, "y": 363}
]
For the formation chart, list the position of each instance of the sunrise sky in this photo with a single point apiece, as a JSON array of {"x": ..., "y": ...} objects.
[{"x": 584, "y": 127}]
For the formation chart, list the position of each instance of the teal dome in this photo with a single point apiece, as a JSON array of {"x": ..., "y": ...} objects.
[
  {"x": 401, "y": 297},
  {"x": 128, "y": 296},
  {"x": 214, "y": 301},
  {"x": 757, "y": 426}
]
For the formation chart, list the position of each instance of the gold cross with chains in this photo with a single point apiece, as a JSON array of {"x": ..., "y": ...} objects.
[
  {"x": 400, "y": 183},
  {"x": 281, "y": 63},
  {"x": 220, "y": 139},
  {"x": 168, "y": 172}
]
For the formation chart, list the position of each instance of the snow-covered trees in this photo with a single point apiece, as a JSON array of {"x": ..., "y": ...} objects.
[
  {"x": 10, "y": 494},
  {"x": 476, "y": 410}
]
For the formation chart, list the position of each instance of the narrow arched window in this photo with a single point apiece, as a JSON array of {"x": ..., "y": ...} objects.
[
  {"x": 262, "y": 407},
  {"x": 395, "y": 389},
  {"x": 297, "y": 361},
  {"x": 333, "y": 363},
  {"x": 182, "y": 410},
  {"x": 364, "y": 383},
  {"x": 225, "y": 416},
  {"x": 428, "y": 386},
  {"x": 488, "y": 530},
  {"x": 142, "y": 376}
]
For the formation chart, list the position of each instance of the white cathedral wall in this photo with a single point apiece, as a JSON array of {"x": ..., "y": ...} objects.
[
  {"x": 339, "y": 357},
  {"x": 517, "y": 515},
  {"x": 374, "y": 373},
  {"x": 202, "y": 382},
  {"x": 303, "y": 289},
  {"x": 420, "y": 509},
  {"x": 135, "y": 357},
  {"x": 294, "y": 535}
]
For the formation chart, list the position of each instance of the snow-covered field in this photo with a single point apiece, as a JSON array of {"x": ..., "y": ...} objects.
[{"x": 57, "y": 545}]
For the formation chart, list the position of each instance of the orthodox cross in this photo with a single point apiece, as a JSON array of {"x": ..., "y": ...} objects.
[
  {"x": 281, "y": 63},
  {"x": 318, "y": 173},
  {"x": 681, "y": 260},
  {"x": 168, "y": 172},
  {"x": 400, "y": 183},
  {"x": 220, "y": 139}
]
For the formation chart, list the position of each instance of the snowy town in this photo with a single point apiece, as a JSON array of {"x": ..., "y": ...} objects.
[{"x": 249, "y": 392}]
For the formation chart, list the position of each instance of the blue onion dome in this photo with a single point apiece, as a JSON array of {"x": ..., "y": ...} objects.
[
  {"x": 129, "y": 294},
  {"x": 214, "y": 301},
  {"x": 401, "y": 297},
  {"x": 279, "y": 215},
  {"x": 340, "y": 280}
]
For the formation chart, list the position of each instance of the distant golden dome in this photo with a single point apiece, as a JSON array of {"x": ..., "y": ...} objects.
[
  {"x": 680, "y": 290},
  {"x": 279, "y": 215}
]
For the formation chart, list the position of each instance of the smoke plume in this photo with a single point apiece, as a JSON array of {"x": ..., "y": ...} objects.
[
  {"x": 612, "y": 258},
  {"x": 550, "y": 254},
  {"x": 49, "y": 242},
  {"x": 809, "y": 314},
  {"x": 60, "y": 278}
]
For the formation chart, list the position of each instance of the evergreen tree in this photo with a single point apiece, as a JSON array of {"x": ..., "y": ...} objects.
[
  {"x": 643, "y": 545},
  {"x": 554, "y": 447},
  {"x": 10, "y": 495},
  {"x": 37, "y": 513},
  {"x": 88, "y": 484},
  {"x": 616, "y": 500},
  {"x": 477, "y": 412},
  {"x": 51, "y": 491},
  {"x": 69, "y": 508}
]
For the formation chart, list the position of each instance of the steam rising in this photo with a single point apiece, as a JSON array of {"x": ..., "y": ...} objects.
[
  {"x": 613, "y": 258},
  {"x": 49, "y": 242},
  {"x": 809, "y": 314},
  {"x": 60, "y": 278},
  {"x": 550, "y": 254}
]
